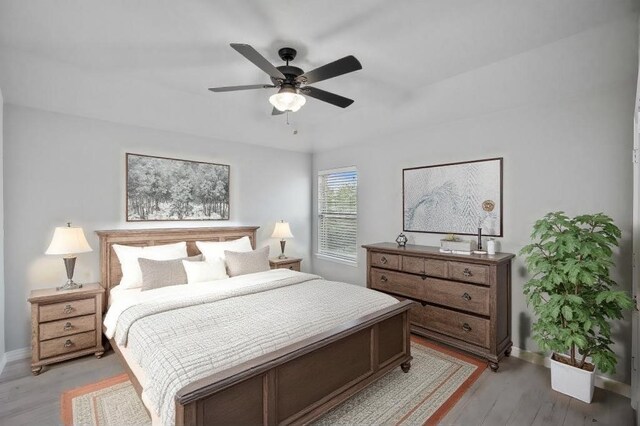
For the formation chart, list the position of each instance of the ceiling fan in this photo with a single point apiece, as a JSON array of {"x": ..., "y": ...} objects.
[{"x": 292, "y": 81}]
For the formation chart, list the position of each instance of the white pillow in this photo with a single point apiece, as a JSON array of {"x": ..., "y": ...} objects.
[
  {"x": 129, "y": 255},
  {"x": 215, "y": 249},
  {"x": 198, "y": 272}
]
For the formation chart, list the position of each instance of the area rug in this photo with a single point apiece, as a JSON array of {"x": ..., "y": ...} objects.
[{"x": 436, "y": 381}]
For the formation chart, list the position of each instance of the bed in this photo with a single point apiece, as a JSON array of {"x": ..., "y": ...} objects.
[{"x": 291, "y": 362}]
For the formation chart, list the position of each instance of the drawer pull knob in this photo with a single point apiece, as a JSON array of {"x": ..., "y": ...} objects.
[
  {"x": 291, "y": 267},
  {"x": 67, "y": 326},
  {"x": 68, "y": 309},
  {"x": 466, "y": 297},
  {"x": 68, "y": 343},
  {"x": 467, "y": 272},
  {"x": 383, "y": 279},
  {"x": 466, "y": 327},
  {"x": 383, "y": 260},
  {"x": 424, "y": 277}
]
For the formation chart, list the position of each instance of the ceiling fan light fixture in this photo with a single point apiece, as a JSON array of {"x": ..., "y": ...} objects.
[{"x": 287, "y": 99}]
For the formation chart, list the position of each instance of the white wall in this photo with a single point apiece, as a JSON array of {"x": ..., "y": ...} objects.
[
  {"x": 573, "y": 155},
  {"x": 61, "y": 168}
]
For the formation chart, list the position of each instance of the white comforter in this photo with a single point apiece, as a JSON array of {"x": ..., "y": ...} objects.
[{"x": 180, "y": 334}]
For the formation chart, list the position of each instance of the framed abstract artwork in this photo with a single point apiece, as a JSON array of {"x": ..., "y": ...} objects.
[
  {"x": 160, "y": 188},
  {"x": 454, "y": 198}
]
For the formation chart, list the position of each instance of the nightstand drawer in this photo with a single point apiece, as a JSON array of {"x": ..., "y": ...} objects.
[
  {"x": 293, "y": 266},
  {"x": 67, "y": 344},
  {"x": 66, "y": 327},
  {"x": 72, "y": 308}
]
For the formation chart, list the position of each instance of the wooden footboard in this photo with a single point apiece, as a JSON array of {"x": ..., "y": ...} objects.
[{"x": 300, "y": 382}]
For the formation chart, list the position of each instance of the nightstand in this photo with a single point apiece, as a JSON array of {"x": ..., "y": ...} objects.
[
  {"x": 65, "y": 324},
  {"x": 292, "y": 263}
]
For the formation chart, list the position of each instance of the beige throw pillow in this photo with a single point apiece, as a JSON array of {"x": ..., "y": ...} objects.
[
  {"x": 241, "y": 263},
  {"x": 163, "y": 273}
]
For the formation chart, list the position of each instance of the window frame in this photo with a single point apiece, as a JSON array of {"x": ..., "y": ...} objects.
[{"x": 318, "y": 253}]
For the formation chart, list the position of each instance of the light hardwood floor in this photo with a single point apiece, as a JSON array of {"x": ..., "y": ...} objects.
[{"x": 519, "y": 394}]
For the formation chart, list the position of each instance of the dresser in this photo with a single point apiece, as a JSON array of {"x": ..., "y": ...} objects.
[
  {"x": 463, "y": 300},
  {"x": 65, "y": 324}
]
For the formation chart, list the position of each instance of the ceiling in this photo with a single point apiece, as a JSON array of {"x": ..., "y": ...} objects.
[{"x": 148, "y": 62}]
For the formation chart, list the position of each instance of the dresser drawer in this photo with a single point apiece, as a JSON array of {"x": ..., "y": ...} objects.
[
  {"x": 384, "y": 260},
  {"x": 469, "y": 328},
  {"x": 468, "y": 297},
  {"x": 73, "y": 308},
  {"x": 66, "y": 327},
  {"x": 67, "y": 344},
  {"x": 421, "y": 266},
  {"x": 469, "y": 272},
  {"x": 398, "y": 283}
]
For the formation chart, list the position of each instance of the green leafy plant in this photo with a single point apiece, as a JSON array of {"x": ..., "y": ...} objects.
[{"x": 570, "y": 289}]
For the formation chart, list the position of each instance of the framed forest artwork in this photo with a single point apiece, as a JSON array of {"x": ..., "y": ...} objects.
[
  {"x": 455, "y": 198},
  {"x": 161, "y": 188}
]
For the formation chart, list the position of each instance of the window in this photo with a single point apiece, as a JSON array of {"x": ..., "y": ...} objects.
[{"x": 338, "y": 214}]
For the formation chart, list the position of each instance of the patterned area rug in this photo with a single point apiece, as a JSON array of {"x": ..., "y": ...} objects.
[{"x": 436, "y": 381}]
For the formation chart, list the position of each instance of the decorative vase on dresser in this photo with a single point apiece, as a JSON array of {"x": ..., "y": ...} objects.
[
  {"x": 65, "y": 324},
  {"x": 464, "y": 300}
]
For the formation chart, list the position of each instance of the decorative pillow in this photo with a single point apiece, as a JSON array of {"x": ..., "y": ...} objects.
[
  {"x": 129, "y": 255},
  {"x": 241, "y": 263},
  {"x": 198, "y": 272},
  {"x": 163, "y": 273},
  {"x": 215, "y": 249}
]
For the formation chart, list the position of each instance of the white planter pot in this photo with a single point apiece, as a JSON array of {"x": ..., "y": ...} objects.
[{"x": 572, "y": 381}]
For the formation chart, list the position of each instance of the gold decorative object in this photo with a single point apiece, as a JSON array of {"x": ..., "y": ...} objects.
[{"x": 488, "y": 205}]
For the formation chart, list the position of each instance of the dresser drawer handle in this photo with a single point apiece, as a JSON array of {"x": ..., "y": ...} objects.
[
  {"x": 383, "y": 260},
  {"x": 68, "y": 309},
  {"x": 67, "y": 326},
  {"x": 383, "y": 279},
  {"x": 291, "y": 267},
  {"x": 466, "y": 297},
  {"x": 467, "y": 272},
  {"x": 424, "y": 276},
  {"x": 68, "y": 343},
  {"x": 466, "y": 327}
]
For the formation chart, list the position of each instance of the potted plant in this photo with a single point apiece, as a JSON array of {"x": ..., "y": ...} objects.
[{"x": 571, "y": 294}]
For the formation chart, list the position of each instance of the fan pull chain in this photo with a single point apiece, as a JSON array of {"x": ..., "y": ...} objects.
[{"x": 288, "y": 118}]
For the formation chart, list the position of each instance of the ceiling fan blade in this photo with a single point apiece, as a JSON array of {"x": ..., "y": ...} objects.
[
  {"x": 341, "y": 66},
  {"x": 258, "y": 60},
  {"x": 276, "y": 111},
  {"x": 332, "y": 98},
  {"x": 246, "y": 87}
]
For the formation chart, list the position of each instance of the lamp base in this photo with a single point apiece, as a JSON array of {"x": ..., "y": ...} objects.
[
  {"x": 282, "y": 244},
  {"x": 70, "y": 285},
  {"x": 69, "y": 264}
]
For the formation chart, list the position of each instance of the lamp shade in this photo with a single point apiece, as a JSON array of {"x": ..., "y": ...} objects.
[
  {"x": 287, "y": 99},
  {"x": 68, "y": 240},
  {"x": 282, "y": 230}
]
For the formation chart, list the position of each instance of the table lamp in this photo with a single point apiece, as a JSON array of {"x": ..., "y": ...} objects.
[
  {"x": 282, "y": 231},
  {"x": 68, "y": 241}
]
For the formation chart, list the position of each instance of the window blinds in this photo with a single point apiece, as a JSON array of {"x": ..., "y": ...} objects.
[{"x": 337, "y": 213}]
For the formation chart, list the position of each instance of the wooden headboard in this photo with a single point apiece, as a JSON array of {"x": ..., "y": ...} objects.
[{"x": 110, "y": 272}]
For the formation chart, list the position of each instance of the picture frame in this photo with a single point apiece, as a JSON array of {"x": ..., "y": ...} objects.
[
  {"x": 454, "y": 198},
  {"x": 171, "y": 189}
]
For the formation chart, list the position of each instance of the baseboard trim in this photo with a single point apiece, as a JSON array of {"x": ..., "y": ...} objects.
[
  {"x": 17, "y": 354},
  {"x": 601, "y": 381}
]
